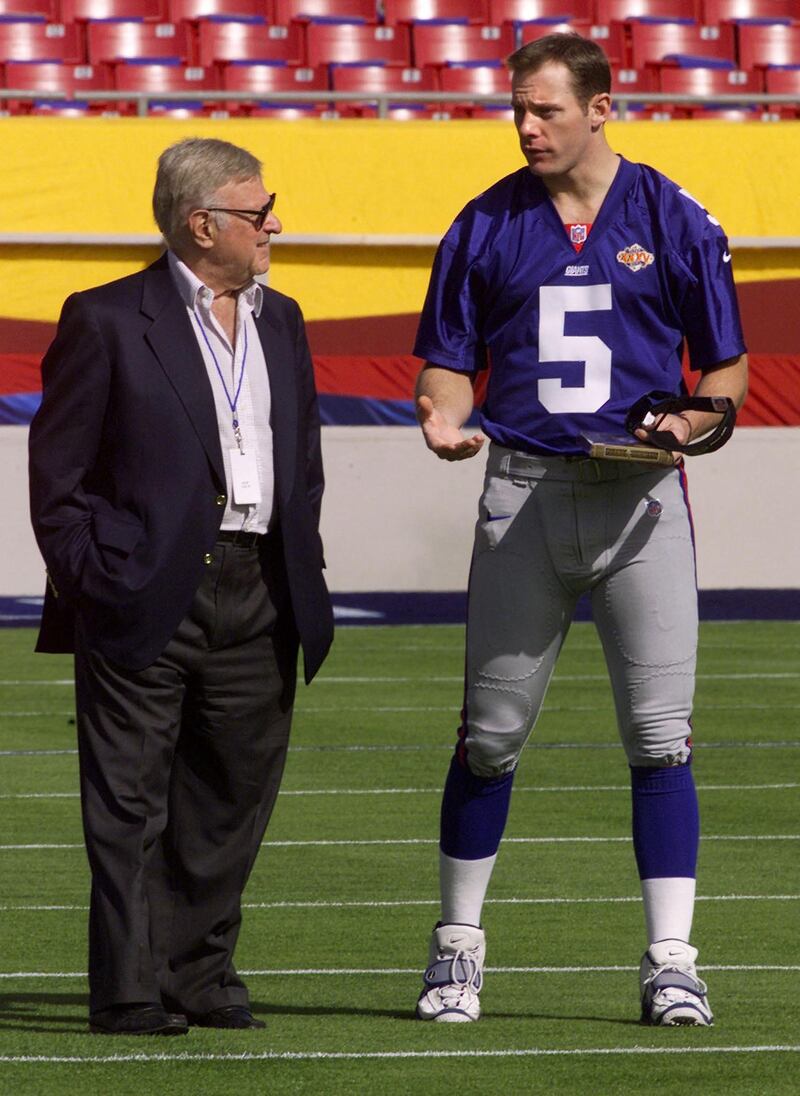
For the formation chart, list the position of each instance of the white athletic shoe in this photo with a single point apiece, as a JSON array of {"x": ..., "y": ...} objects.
[
  {"x": 454, "y": 976},
  {"x": 671, "y": 991}
]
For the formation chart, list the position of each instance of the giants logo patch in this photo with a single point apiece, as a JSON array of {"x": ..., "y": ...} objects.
[{"x": 635, "y": 257}]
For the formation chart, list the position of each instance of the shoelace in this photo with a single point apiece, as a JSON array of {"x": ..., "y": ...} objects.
[
  {"x": 702, "y": 988},
  {"x": 457, "y": 986}
]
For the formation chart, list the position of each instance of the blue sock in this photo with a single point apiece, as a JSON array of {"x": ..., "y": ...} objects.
[
  {"x": 666, "y": 821},
  {"x": 474, "y": 812}
]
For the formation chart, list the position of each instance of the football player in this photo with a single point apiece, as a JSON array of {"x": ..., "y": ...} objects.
[{"x": 579, "y": 278}]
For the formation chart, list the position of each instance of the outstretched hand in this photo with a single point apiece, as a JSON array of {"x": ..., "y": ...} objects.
[{"x": 442, "y": 437}]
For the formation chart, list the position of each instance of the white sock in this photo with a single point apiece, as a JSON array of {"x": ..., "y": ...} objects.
[
  {"x": 463, "y": 886},
  {"x": 668, "y": 908}
]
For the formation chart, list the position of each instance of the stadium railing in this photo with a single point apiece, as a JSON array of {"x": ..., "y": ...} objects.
[{"x": 384, "y": 101}]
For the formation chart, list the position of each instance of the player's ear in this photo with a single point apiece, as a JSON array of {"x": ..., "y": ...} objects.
[{"x": 599, "y": 110}]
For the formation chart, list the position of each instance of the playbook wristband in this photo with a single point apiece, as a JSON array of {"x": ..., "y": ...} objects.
[{"x": 659, "y": 404}]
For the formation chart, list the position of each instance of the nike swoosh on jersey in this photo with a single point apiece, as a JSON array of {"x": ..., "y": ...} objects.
[{"x": 726, "y": 258}]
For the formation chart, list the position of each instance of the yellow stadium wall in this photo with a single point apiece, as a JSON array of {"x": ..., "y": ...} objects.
[{"x": 349, "y": 177}]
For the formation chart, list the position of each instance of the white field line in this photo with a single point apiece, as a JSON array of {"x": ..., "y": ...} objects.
[
  {"x": 449, "y": 679},
  {"x": 733, "y": 744},
  {"x": 314, "y": 972},
  {"x": 437, "y": 790},
  {"x": 348, "y": 842},
  {"x": 416, "y": 902},
  {"x": 379, "y": 1055},
  {"x": 328, "y": 709}
]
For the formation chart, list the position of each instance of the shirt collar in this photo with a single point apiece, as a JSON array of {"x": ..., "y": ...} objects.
[{"x": 194, "y": 292}]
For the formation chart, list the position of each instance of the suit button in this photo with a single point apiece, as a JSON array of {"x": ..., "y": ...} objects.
[
  {"x": 220, "y": 500},
  {"x": 208, "y": 558}
]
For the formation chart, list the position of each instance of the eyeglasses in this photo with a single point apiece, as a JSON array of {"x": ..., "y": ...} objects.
[{"x": 259, "y": 215}]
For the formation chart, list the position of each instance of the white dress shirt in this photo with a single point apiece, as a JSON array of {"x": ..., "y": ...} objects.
[{"x": 253, "y": 403}]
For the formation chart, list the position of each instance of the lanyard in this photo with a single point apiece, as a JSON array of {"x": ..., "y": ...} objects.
[{"x": 232, "y": 403}]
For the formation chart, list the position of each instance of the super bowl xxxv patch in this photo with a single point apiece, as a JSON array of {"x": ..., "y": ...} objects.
[{"x": 635, "y": 257}]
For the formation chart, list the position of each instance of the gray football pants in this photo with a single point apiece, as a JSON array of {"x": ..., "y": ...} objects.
[{"x": 548, "y": 530}]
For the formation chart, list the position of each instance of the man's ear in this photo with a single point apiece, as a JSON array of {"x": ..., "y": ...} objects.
[
  {"x": 200, "y": 228},
  {"x": 599, "y": 110}
]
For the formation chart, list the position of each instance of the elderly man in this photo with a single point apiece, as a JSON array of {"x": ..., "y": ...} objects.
[{"x": 176, "y": 482}]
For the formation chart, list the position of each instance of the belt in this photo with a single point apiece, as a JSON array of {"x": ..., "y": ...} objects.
[{"x": 240, "y": 538}]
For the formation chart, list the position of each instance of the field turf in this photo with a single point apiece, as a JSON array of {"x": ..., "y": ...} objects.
[{"x": 343, "y": 897}]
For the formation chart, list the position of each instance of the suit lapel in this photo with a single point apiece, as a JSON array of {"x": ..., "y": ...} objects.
[
  {"x": 279, "y": 355},
  {"x": 172, "y": 340}
]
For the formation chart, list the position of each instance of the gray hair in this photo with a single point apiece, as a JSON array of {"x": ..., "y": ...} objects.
[{"x": 190, "y": 173}]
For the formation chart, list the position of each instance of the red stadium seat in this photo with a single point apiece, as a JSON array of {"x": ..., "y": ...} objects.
[
  {"x": 609, "y": 11},
  {"x": 181, "y": 111},
  {"x": 45, "y": 10},
  {"x": 444, "y": 11},
  {"x": 784, "y": 82},
  {"x": 477, "y": 80},
  {"x": 73, "y": 11},
  {"x": 292, "y": 113},
  {"x": 137, "y": 41},
  {"x": 707, "y": 81},
  {"x": 768, "y": 45},
  {"x": 494, "y": 114},
  {"x": 348, "y": 44},
  {"x": 40, "y": 42},
  {"x": 528, "y": 11},
  {"x": 438, "y": 45},
  {"x": 382, "y": 79},
  {"x": 633, "y": 81},
  {"x": 652, "y": 42},
  {"x": 408, "y": 112},
  {"x": 54, "y": 109},
  {"x": 354, "y": 11},
  {"x": 378, "y": 79},
  {"x": 46, "y": 77},
  {"x": 610, "y": 39},
  {"x": 735, "y": 114},
  {"x": 221, "y": 42},
  {"x": 49, "y": 76},
  {"x": 262, "y": 79},
  {"x": 722, "y": 11},
  {"x": 162, "y": 79},
  {"x": 194, "y": 10}
]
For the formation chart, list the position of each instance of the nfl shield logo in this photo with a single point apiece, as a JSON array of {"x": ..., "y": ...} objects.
[{"x": 577, "y": 234}]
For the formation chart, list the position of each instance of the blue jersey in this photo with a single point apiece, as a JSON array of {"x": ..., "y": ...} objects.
[{"x": 573, "y": 339}]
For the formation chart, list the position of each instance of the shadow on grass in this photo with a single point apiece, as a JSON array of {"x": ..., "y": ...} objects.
[
  {"x": 30, "y": 1012},
  {"x": 264, "y": 1009}
]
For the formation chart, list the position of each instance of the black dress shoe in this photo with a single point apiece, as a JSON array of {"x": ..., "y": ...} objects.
[
  {"x": 228, "y": 1016},
  {"x": 137, "y": 1020}
]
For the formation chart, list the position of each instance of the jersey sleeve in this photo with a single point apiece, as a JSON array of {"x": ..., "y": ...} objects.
[
  {"x": 709, "y": 310},
  {"x": 449, "y": 328}
]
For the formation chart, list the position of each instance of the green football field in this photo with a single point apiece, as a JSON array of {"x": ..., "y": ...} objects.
[{"x": 342, "y": 899}]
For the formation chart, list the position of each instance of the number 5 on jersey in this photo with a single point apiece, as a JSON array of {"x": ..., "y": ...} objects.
[{"x": 555, "y": 302}]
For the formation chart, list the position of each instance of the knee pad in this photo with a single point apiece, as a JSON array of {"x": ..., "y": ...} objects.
[{"x": 498, "y": 721}]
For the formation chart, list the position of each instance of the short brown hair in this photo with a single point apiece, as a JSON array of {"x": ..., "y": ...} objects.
[{"x": 587, "y": 64}]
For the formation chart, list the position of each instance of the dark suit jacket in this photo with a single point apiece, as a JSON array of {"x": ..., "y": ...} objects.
[{"x": 126, "y": 469}]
